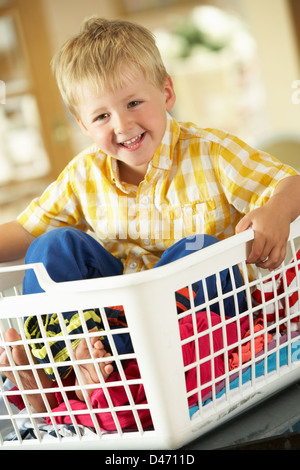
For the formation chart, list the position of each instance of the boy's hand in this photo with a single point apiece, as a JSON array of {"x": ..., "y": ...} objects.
[
  {"x": 271, "y": 232},
  {"x": 271, "y": 224}
]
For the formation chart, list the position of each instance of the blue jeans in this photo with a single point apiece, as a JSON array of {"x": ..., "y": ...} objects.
[{"x": 70, "y": 254}]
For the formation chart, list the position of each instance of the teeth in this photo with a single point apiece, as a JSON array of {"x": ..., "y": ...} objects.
[{"x": 128, "y": 142}]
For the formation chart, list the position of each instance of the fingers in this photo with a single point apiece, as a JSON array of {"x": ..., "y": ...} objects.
[
  {"x": 108, "y": 369},
  {"x": 3, "y": 357},
  {"x": 97, "y": 343},
  {"x": 243, "y": 224},
  {"x": 99, "y": 350},
  {"x": 99, "y": 353},
  {"x": 270, "y": 238},
  {"x": 265, "y": 255},
  {"x": 11, "y": 335},
  {"x": 82, "y": 349}
]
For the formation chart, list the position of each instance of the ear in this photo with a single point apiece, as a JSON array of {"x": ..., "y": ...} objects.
[{"x": 169, "y": 93}]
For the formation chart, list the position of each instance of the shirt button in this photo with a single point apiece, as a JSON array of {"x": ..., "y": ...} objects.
[
  {"x": 189, "y": 210},
  {"x": 133, "y": 265},
  {"x": 145, "y": 200}
]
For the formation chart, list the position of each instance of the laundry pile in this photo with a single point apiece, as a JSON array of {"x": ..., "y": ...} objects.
[
  {"x": 212, "y": 340},
  {"x": 273, "y": 294}
]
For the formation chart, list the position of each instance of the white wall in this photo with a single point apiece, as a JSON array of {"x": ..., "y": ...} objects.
[
  {"x": 271, "y": 24},
  {"x": 269, "y": 21},
  {"x": 64, "y": 17}
]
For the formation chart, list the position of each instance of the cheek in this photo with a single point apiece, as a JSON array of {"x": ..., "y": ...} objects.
[
  {"x": 158, "y": 123},
  {"x": 102, "y": 139},
  {"x": 155, "y": 120}
]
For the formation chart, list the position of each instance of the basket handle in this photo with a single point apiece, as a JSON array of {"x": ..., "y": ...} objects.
[{"x": 40, "y": 271}]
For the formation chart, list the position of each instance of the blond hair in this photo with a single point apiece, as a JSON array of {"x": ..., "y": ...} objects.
[{"x": 104, "y": 54}]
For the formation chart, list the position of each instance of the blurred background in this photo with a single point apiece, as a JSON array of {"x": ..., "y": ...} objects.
[{"x": 235, "y": 65}]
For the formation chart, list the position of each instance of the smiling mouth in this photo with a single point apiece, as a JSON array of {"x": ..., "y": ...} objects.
[{"x": 133, "y": 143}]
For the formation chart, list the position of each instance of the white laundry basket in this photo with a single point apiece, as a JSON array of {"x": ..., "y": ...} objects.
[{"x": 259, "y": 362}]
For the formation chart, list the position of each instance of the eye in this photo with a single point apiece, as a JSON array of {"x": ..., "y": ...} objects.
[
  {"x": 101, "y": 117},
  {"x": 133, "y": 104}
]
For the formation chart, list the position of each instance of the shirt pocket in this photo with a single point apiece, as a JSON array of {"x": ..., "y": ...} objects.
[
  {"x": 191, "y": 218},
  {"x": 218, "y": 216}
]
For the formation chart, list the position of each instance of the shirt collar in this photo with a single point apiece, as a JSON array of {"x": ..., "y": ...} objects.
[
  {"x": 113, "y": 174},
  {"x": 163, "y": 157}
]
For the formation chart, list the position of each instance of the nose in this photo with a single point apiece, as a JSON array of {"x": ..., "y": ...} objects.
[{"x": 122, "y": 123}]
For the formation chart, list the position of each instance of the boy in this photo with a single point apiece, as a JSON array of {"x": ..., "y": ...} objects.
[
  {"x": 121, "y": 103},
  {"x": 149, "y": 181}
]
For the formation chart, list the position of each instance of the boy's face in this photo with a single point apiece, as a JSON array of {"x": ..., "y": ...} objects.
[{"x": 129, "y": 123}]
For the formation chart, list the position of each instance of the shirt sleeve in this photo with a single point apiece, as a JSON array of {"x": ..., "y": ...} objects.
[
  {"x": 57, "y": 207},
  {"x": 248, "y": 176}
]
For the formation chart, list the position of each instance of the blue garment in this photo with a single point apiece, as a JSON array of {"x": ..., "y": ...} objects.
[
  {"x": 195, "y": 243},
  {"x": 69, "y": 254}
]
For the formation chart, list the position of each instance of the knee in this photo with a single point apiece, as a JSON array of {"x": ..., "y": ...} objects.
[
  {"x": 185, "y": 247},
  {"x": 48, "y": 242},
  {"x": 198, "y": 242}
]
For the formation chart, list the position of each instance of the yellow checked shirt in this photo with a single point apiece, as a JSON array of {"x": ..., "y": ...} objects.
[{"x": 199, "y": 181}]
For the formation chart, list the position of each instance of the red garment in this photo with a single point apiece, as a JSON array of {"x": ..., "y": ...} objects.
[
  {"x": 267, "y": 292},
  {"x": 118, "y": 394},
  {"x": 118, "y": 397},
  {"x": 189, "y": 349},
  {"x": 246, "y": 351}
]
